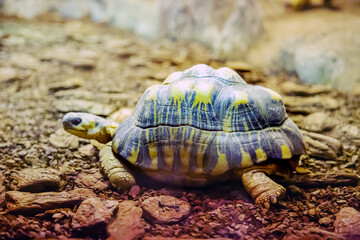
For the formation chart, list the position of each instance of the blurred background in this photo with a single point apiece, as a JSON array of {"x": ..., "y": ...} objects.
[
  {"x": 99, "y": 56},
  {"x": 317, "y": 40}
]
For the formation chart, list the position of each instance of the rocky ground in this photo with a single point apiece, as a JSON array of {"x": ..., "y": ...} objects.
[{"x": 51, "y": 185}]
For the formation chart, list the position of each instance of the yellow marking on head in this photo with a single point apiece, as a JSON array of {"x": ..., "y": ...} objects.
[
  {"x": 285, "y": 151},
  {"x": 260, "y": 155},
  {"x": 274, "y": 95},
  {"x": 153, "y": 156},
  {"x": 202, "y": 95}
]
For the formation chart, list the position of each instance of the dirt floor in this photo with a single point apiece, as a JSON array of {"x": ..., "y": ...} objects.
[{"x": 49, "y": 67}]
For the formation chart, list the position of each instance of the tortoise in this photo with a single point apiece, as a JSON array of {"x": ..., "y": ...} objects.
[{"x": 198, "y": 127}]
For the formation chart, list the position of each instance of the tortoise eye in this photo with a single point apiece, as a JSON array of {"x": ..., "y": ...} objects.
[{"x": 76, "y": 121}]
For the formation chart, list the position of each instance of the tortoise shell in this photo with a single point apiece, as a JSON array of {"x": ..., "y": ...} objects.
[{"x": 204, "y": 121}]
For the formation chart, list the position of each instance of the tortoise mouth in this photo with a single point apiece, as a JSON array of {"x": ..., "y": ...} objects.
[
  {"x": 71, "y": 128},
  {"x": 68, "y": 125}
]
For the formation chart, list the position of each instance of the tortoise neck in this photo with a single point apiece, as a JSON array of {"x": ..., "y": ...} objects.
[{"x": 106, "y": 132}]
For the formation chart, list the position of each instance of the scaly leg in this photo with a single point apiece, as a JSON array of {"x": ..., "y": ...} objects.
[
  {"x": 118, "y": 175},
  {"x": 261, "y": 188}
]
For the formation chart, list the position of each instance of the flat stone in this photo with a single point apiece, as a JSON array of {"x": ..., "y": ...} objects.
[
  {"x": 63, "y": 139},
  {"x": 23, "y": 60},
  {"x": 94, "y": 212},
  {"x": 122, "y": 98},
  {"x": 78, "y": 105},
  {"x": 128, "y": 224},
  {"x": 318, "y": 122},
  {"x": 75, "y": 93},
  {"x": 322, "y": 146},
  {"x": 348, "y": 222},
  {"x": 120, "y": 115},
  {"x": 294, "y": 89},
  {"x": 230, "y": 35},
  {"x": 36, "y": 180},
  {"x": 347, "y": 132},
  {"x": 7, "y": 74},
  {"x": 84, "y": 59},
  {"x": 310, "y": 104},
  {"x": 165, "y": 209},
  {"x": 239, "y": 66},
  {"x": 352, "y": 162},
  {"x": 87, "y": 150},
  {"x": 324, "y": 57},
  {"x": 70, "y": 83},
  {"x": 325, "y": 221},
  {"x": 92, "y": 179},
  {"x": 96, "y": 144},
  {"x": 25, "y": 203}
]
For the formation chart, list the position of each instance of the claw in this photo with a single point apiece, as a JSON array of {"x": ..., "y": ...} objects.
[{"x": 272, "y": 199}]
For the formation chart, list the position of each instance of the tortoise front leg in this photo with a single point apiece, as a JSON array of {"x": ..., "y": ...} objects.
[
  {"x": 118, "y": 175},
  {"x": 261, "y": 188}
]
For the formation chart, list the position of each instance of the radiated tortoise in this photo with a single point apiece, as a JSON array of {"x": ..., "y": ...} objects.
[{"x": 198, "y": 127}]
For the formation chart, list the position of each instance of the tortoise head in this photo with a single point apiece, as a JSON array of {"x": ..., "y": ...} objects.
[{"x": 89, "y": 126}]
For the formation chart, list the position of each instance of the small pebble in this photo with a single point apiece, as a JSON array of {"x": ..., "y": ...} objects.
[
  {"x": 22, "y": 153},
  {"x": 134, "y": 191},
  {"x": 312, "y": 211},
  {"x": 325, "y": 221},
  {"x": 57, "y": 215}
]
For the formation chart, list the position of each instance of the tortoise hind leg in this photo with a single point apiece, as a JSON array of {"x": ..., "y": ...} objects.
[
  {"x": 118, "y": 175},
  {"x": 261, "y": 188}
]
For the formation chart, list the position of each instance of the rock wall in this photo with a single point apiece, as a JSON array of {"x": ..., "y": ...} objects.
[
  {"x": 229, "y": 27},
  {"x": 324, "y": 58}
]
